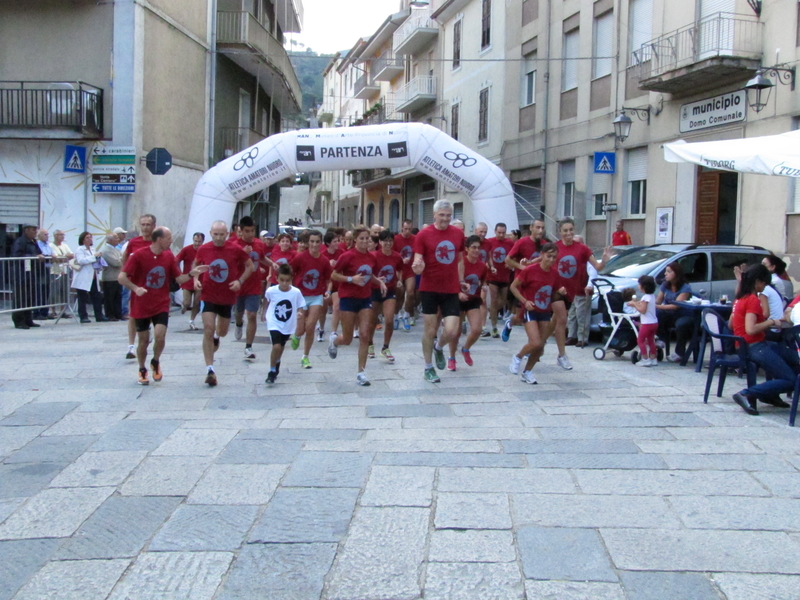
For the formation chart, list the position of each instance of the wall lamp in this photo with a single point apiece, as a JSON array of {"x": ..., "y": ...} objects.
[
  {"x": 761, "y": 85},
  {"x": 622, "y": 124}
]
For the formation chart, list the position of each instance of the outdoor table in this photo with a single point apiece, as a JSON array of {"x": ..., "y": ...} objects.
[{"x": 697, "y": 345}]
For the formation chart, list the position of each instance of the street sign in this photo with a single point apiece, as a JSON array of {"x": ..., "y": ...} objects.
[
  {"x": 113, "y": 188},
  {"x": 117, "y": 159},
  {"x": 106, "y": 169},
  {"x": 111, "y": 150},
  {"x": 605, "y": 162},
  {"x": 74, "y": 159},
  {"x": 610, "y": 207},
  {"x": 114, "y": 170},
  {"x": 159, "y": 161},
  {"x": 113, "y": 178}
]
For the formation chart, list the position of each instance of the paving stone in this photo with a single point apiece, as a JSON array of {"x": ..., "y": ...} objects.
[
  {"x": 278, "y": 572},
  {"x": 726, "y": 447},
  {"x": 328, "y": 469},
  {"x": 573, "y": 590},
  {"x": 39, "y": 413},
  {"x": 470, "y": 433},
  {"x": 260, "y": 451},
  {"x": 653, "y": 585},
  {"x": 563, "y": 553},
  {"x": 468, "y": 581},
  {"x": 195, "y": 442},
  {"x": 596, "y": 461},
  {"x": 18, "y": 480},
  {"x": 86, "y": 423},
  {"x": 579, "y": 510},
  {"x": 84, "y": 579},
  {"x": 306, "y": 515},
  {"x": 8, "y": 506},
  {"x": 166, "y": 476},
  {"x": 741, "y": 586},
  {"x": 300, "y": 434},
  {"x": 319, "y": 412},
  {"x": 732, "y": 433},
  {"x": 173, "y": 575},
  {"x": 570, "y": 446},
  {"x": 505, "y": 480},
  {"x": 97, "y": 469},
  {"x": 443, "y": 459},
  {"x": 604, "y": 433},
  {"x": 786, "y": 485},
  {"x": 583, "y": 409},
  {"x": 53, "y": 512},
  {"x": 495, "y": 409},
  {"x": 204, "y": 528},
  {"x": 135, "y": 435},
  {"x": 119, "y": 528},
  {"x": 641, "y": 420},
  {"x": 471, "y": 546},
  {"x": 382, "y": 556},
  {"x": 14, "y": 438},
  {"x": 472, "y": 511},
  {"x": 702, "y": 550},
  {"x": 20, "y": 559},
  {"x": 669, "y": 483},
  {"x": 404, "y": 446},
  {"x": 237, "y": 484},
  {"x": 399, "y": 486},
  {"x": 719, "y": 512},
  {"x": 458, "y": 422},
  {"x": 733, "y": 462},
  {"x": 55, "y": 448},
  {"x": 409, "y": 410}
]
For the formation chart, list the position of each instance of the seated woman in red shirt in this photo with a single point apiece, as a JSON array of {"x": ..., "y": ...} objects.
[{"x": 777, "y": 360}]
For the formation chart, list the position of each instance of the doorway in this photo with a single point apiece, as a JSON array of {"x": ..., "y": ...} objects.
[{"x": 717, "y": 193}]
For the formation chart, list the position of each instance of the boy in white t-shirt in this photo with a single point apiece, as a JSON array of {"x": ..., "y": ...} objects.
[
  {"x": 648, "y": 322},
  {"x": 283, "y": 303}
]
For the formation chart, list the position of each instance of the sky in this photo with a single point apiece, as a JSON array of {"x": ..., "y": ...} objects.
[{"x": 330, "y": 26}]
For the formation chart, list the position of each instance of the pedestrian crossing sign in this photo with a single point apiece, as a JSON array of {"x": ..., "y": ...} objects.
[
  {"x": 605, "y": 162},
  {"x": 74, "y": 159}
]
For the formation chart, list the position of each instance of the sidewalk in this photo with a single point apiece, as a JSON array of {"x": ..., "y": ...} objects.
[{"x": 609, "y": 482}]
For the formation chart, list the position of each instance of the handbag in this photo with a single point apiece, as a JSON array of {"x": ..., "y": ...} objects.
[{"x": 73, "y": 264}]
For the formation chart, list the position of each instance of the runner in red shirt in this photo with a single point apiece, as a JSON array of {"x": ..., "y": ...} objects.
[
  {"x": 499, "y": 274},
  {"x": 406, "y": 295},
  {"x": 439, "y": 259},
  {"x": 282, "y": 254},
  {"x": 389, "y": 268},
  {"x": 524, "y": 251},
  {"x": 229, "y": 267},
  {"x": 481, "y": 230},
  {"x": 147, "y": 223},
  {"x": 355, "y": 271},
  {"x": 148, "y": 273},
  {"x": 191, "y": 298},
  {"x": 249, "y": 298},
  {"x": 471, "y": 302},
  {"x": 332, "y": 251}
]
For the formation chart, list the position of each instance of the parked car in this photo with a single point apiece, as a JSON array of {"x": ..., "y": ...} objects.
[{"x": 709, "y": 269}]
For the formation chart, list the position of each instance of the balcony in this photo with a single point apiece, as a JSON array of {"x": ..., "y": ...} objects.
[
  {"x": 71, "y": 110},
  {"x": 365, "y": 89},
  {"x": 232, "y": 140},
  {"x": 365, "y": 176},
  {"x": 386, "y": 67},
  {"x": 415, "y": 33},
  {"x": 416, "y": 94},
  {"x": 718, "y": 50},
  {"x": 242, "y": 38},
  {"x": 379, "y": 114}
]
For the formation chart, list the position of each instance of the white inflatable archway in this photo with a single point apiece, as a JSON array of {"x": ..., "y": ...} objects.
[{"x": 277, "y": 157}]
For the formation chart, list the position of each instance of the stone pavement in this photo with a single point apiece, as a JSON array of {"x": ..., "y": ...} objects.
[{"x": 607, "y": 482}]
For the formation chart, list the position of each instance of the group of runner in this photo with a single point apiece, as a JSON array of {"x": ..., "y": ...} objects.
[{"x": 359, "y": 276}]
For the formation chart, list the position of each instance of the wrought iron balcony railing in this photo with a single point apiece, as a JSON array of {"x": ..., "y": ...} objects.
[{"x": 54, "y": 109}]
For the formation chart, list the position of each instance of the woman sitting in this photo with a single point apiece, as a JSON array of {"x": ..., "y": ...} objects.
[
  {"x": 778, "y": 277},
  {"x": 778, "y": 361},
  {"x": 674, "y": 289}
]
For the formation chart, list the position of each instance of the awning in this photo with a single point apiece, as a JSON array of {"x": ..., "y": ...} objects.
[{"x": 766, "y": 155}]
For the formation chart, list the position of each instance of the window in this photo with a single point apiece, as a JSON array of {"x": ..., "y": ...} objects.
[
  {"x": 637, "y": 181},
  {"x": 569, "y": 68},
  {"x": 486, "y": 24},
  {"x": 638, "y": 194},
  {"x": 483, "y": 116},
  {"x": 370, "y": 214},
  {"x": 458, "y": 210},
  {"x": 695, "y": 267},
  {"x": 598, "y": 200},
  {"x": 603, "y": 45},
  {"x": 457, "y": 44},
  {"x": 566, "y": 176},
  {"x": 599, "y": 193},
  {"x": 528, "y": 87},
  {"x": 381, "y": 211},
  {"x": 640, "y": 29},
  {"x": 427, "y": 212},
  {"x": 454, "y": 111},
  {"x": 722, "y": 263}
]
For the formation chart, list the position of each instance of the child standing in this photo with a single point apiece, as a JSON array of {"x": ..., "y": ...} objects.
[
  {"x": 284, "y": 301},
  {"x": 648, "y": 322}
]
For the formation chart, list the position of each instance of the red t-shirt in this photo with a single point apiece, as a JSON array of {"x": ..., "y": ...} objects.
[
  {"x": 475, "y": 275},
  {"x": 186, "y": 256},
  {"x": 441, "y": 250},
  {"x": 389, "y": 267},
  {"x": 135, "y": 244},
  {"x": 226, "y": 264},
  {"x": 405, "y": 247},
  {"x": 537, "y": 285},
  {"x": 498, "y": 252},
  {"x": 571, "y": 266},
  {"x": 353, "y": 263},
  {"x": 486, "y": 251},
  {"x": 525, "y": 248},
  {"x": 258, "y": 250},
  {"x": 311, "y": 275},
  {"x": 620, "y": 238},
  {"x": 748, "y": 304},
  {"x": 154, "y": 272},
  {"x": 282, "y": 258}
]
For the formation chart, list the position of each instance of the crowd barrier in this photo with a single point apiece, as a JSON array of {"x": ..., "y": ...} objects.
[{"x": 37, "y": 285}]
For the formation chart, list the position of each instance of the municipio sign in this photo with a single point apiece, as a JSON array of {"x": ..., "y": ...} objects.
[{"x": 713, "y": 112}]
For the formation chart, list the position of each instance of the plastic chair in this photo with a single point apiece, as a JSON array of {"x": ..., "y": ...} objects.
[{"x": 713, "y": 325}]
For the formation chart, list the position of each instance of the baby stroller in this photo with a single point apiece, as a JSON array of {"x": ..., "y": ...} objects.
[{"x": 620, "y": 330}]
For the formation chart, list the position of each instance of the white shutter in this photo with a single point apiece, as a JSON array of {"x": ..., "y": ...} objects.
[
  {"x": 603, "y": 45},
  {"x": 637, "y": 164},
  {"x": 710, "y": 7},
  {"x": 641, "y": 26},
  {"x": 796, "y": 197},
  {"x": 569, "y": 71},
  {"x": 567, "y": 171},
  {"x": 427, "y": 212},
  {"x": 601, "y": 183},
  {"x": 19, "y": 204}
]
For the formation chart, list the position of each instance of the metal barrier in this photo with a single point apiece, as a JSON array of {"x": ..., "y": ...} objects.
[{"x": 33, "y": 284}]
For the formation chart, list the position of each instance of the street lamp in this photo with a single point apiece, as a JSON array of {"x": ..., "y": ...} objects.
[
  {"x": 761, "y": 82},
  {"x": 622, "y": 124}
]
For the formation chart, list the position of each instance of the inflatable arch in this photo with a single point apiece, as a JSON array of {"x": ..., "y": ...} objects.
[{"x": 279, "y": 156}]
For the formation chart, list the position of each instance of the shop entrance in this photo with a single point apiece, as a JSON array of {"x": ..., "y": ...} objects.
[{"x": 717, "y": 192}]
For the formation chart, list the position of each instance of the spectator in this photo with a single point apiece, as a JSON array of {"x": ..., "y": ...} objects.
[
  {"x": 59, "y": 274},
  {"x": 620, "y": 237},
  {"x": 25, "y": 283},
  {"x": 43, "y": 276},
  {"x": 779, "y": 279},
  {"x": 85, "y": 279},
  {"x": 579, "y": 313},
  {"x": 121, "y": 245},
  {"x": 112, "y": 289},
  {"x": 674, "y": 289}
]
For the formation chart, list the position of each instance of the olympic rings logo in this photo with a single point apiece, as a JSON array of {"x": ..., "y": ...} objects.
[
  {"x": 247, "y": 160},
  {"x": 460, "y": 160}
]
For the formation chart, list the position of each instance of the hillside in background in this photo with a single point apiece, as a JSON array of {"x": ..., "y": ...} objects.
[{"x": 308, "y": 66}]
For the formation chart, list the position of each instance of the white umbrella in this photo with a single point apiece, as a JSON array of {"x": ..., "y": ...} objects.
[{"x": 767, "y": 155}]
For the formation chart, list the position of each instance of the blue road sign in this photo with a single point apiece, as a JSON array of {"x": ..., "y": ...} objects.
[
  {"x": 74, "y": 159},
  {"x": 605, "y": 162},
  {"x": 113, "y": 188}
]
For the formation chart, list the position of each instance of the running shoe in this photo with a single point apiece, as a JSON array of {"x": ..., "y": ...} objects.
[
  {"x": 674, "y": 357},
  {"x": 130, "y": 353},
  {"x": 211, "y": 379},
  {"x": 486, "y": 333},
  {"x": 411, "y": 321},
  {"x": 143, "y": 377},
  {"x": 527, "y": 377},
  {"x": 156, "y": 366},
  {"x": 515, "y": 363},
  {"x": 396, "y": 323},
  {"x": 387, "y": 354},
  {"x": 438, "y": 354},
  {"x": 361, "y": 379},
  {"x": 248, "y": 352},
  {"x": 192, "y": 326},
  {"x": 451, "y": 364},
  {"x": 467, "y": 356},
  {"x": 371, "y": 351},
  {"x": 320, "y": 335},
  {"x": 506, "y": 331},
  {"x": 430, "y": 375},
  {"x": 271, "y": 376},
  {"x": 406, "y": 324},
  {"x": 237, "y": 332},
  {"x": 564, "y": 363},
  {"x": 660, "y": 343},
  {"x": 332, "y": 349},
  {"x": 355, "y": 333},
  {"x": 295, "y": 342},
  {"x": 305, "y": 362},
  {"x": 495, "y": 333}
]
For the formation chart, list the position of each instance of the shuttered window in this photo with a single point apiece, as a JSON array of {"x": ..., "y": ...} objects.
[
  {"x": 601, "y": 185},
  {"x": 640, "y": 28},
  {"x": 483, "y": 115},
  {"x": 427, "y": 212},
  {"x": 486, "y": 24},
  {"x": 454, "y": 114},
  {"x": 457, "y": 44},
  {"x": 711, "y": 7},
  {"x": 603, "y": 45},
  {"x": 19, "y": 204},
  {"x": 566, "y": 175},
  {"x": 528, "y": 196},
  {"x": 528, "y": 87},
  {"x": 637, "y": 181},
  {"x": 458, "y": 211},
  {"x": 569, "y": 70}
]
